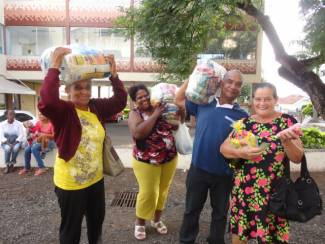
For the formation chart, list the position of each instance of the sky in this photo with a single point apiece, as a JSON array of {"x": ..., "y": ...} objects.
[{"x": 288, "y": 22}]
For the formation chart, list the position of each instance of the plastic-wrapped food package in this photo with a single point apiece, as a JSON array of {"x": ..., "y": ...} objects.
[
  {"x": 204, "y": 81},
  {"x": 82, "y": 63},
  {"x": 241, "y": 137},
  {"x": 165, "y": 93}
]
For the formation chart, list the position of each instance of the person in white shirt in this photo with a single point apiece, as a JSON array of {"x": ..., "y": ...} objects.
[{"x": 11, "y": 136}]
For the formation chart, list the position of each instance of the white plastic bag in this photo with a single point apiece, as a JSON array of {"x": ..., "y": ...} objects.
[
  {"x": 183, "y": 140},
  {"x": 204, "y": 81},
  {"x": 82, "y": 63}
]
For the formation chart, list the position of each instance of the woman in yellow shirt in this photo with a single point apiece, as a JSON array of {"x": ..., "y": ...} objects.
[{"x": 79, "y": 135}]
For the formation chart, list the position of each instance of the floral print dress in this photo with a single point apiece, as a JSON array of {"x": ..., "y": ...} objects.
[{"x": 250, "y": 217}]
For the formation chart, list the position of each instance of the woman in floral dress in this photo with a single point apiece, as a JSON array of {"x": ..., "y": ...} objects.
[{"x": 259, "y": 167}]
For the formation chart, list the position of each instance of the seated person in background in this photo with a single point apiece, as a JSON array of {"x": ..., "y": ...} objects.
[
  {"x": 11, "y": 136},
  {"x": 43, "y": 140}
]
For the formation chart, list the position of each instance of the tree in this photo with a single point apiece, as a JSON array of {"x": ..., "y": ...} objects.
[{"x": 176, "y": 31}]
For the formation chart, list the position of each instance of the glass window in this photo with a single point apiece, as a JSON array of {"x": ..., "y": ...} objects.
[
  {"x": 140, "y": 51},
  {"x": 1, "y": 38},
  {"x": 234, "y": 45},
  {"x": 32, "y": 41},
  {"x": 111, "y": 40}
]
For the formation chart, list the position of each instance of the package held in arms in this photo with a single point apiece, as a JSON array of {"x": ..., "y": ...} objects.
[
  {"x": 165, "y": 93},
  {"x": 81, "y": 64},
  {"x": 204, "y": 81}
]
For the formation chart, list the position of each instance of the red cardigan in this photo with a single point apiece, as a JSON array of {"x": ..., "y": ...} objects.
[{"x": 67, "y": 127}]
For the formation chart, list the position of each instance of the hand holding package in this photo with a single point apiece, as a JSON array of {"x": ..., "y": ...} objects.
[{"x": 81, "y": 64}]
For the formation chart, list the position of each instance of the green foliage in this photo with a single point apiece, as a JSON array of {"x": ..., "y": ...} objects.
[
  {"x": 174, "y": 32},
  {"x": 307, "y": 109},
  {"x": 313, "y": 138},
  {"x": 314, "y": 13},
  {"x": 245, "y": 93},
  {"x": 125, "y": 113},
  {"x": 244, "y": 44}
]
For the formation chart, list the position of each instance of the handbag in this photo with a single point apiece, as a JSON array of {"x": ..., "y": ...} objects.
[
  {"x": 112, "y": 164},
  {"x": 183, "y": 140},
  {"x": 297, "y": 201}
]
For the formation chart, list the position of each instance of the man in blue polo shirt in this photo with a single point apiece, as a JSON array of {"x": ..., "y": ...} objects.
[{"x": 209, "y": 171}]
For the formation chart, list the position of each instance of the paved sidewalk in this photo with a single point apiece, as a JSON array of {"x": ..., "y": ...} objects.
[{"x": 30, "y": 214}]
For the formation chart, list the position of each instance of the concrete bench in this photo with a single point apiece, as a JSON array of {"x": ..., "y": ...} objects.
[{"x": 48, "y": 161}]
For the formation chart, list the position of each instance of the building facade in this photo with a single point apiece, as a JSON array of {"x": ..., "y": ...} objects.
[{"x": 28, "y": 27}]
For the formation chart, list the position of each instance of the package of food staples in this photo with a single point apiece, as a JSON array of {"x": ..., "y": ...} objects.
[
  {"x": 204, "y": 81},
  {"x": 165, "y": 93},
  {"x": 81, "y": 64}
]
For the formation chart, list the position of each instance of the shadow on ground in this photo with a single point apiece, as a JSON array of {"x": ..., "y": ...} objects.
[{"x": 29, "y": 212}]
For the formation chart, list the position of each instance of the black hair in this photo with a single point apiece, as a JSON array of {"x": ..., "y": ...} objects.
[
  {"x": 134, "y": 89},
  {"x": 265, "y": 85}
]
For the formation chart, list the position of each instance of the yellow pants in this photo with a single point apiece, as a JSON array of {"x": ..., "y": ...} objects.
[{"x": 154, "y": 182}]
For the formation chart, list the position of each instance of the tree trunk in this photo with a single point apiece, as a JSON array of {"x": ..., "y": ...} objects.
[{"x": 291, "y": 69}]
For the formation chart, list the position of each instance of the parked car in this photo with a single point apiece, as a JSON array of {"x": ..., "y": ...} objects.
[
  {"x": 21, "y": 116},
  {"x": 116, "y": 118}
]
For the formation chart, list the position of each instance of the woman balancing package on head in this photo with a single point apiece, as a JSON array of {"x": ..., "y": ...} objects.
[{"x": 81, "y": 64}]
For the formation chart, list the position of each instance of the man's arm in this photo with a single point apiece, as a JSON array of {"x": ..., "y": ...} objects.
[{"x": 180, "y": 96}]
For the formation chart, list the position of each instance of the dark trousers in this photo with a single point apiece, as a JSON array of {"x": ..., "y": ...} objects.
[
  {"x": 198, "y": 184},
  {"x": 77, "y": 203}
]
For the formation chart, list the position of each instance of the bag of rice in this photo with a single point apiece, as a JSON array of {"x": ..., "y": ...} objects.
[
  {"x": 82, "y": 63},
  {"x": 204, "y": 81},
  {"x": 165, "y": 93}
]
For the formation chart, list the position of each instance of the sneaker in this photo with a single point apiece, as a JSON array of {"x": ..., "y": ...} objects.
[
  {"x": 43, "y": 154},
  {"x": 11, "y": 168},
  {"x": 23, "y": 171},
  {"x": 39, "y": 171}
]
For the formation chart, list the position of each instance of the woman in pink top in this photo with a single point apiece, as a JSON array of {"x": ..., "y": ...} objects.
[{"x": 43, "y": 139}]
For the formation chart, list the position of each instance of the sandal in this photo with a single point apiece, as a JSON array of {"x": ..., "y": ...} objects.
[
  {"x": 23, "y": 171},
  {"x": 160, "y": 227},
  {"x": 40, "y": 171},
  {"x": 140, "y": 232}
]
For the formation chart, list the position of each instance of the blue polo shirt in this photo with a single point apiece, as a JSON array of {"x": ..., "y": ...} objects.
[{"x": 213, "y": 125}]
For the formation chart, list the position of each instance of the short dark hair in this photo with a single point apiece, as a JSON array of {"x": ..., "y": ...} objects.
[
  {"x": 134, "y": 89},
  {"x": 265, "y": 85}
]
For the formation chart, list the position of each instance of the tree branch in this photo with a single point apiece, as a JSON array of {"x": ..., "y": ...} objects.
[
  {"x": 280, "y": 54},
  {"x": 311, "y": 62},
  {"x": 295, "y": 71}
]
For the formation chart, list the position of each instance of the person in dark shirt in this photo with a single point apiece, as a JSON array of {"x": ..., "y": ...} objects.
[{"x": 209, "y": 171}]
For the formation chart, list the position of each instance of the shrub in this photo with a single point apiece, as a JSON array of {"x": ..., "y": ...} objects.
[
  {"x": 313, "y": 138},
  {"x": 307, "y": 109}
]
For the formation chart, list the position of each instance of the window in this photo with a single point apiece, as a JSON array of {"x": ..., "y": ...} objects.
[
  {"x": 1, "y": 39},
  {"x": 111, "y": 40},
  {"x": 32, "y": 41},
  {"x": 140, "y": 51},
  {"x": 234, "y": 45}
]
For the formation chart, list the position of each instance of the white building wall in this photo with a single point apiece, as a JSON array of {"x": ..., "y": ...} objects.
[{"x": 2, "y": 20}]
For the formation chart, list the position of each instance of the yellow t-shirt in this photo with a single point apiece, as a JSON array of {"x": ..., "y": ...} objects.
[{"x": 86, "y": 166}]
